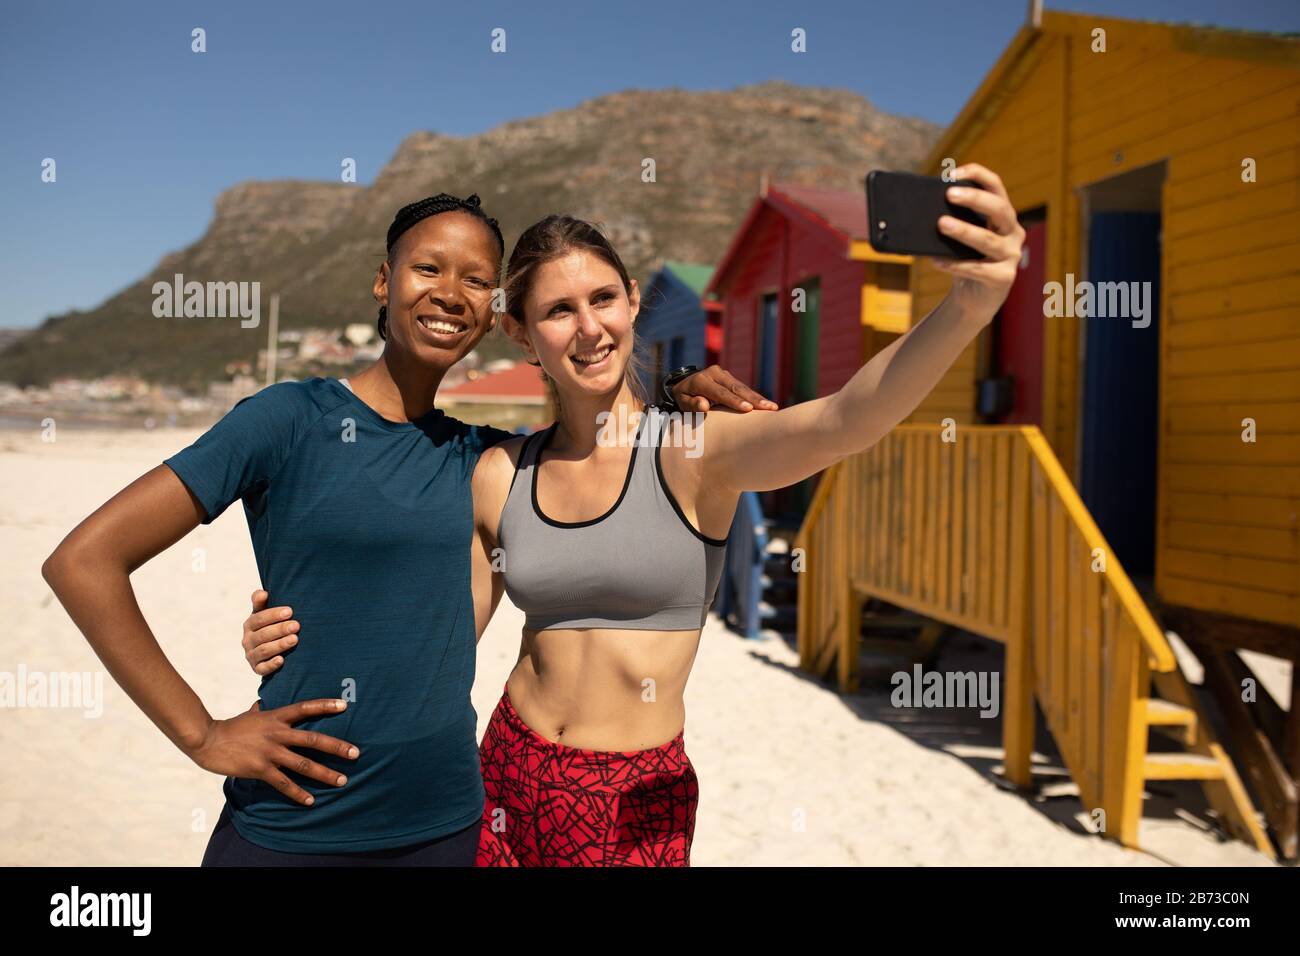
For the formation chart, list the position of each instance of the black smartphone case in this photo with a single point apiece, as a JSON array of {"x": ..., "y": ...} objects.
[{"x": 903, "y": 211}]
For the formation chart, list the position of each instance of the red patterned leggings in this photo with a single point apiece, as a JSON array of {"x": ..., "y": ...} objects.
[{"x": 552, "y": 805}]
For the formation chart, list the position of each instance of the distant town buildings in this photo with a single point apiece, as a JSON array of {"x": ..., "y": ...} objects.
[
  {"x": 301, "y": 348},
  {"x": 301, "y": 353}
]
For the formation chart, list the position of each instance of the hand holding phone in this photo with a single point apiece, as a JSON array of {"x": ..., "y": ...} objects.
[{"x": 903, "y": 211}]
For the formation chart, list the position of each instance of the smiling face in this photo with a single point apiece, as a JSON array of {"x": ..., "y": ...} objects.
[
  {"x": 437, "y": 285},
  {"x": 578, "y": 323}
]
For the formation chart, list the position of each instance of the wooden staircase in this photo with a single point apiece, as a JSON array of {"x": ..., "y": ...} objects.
[
  {"x": 1179, "y": 714},
  {"x": 758, "y": 591},
  {"x": 988, "y": 534},
  {"x": 779, "y": 603}
]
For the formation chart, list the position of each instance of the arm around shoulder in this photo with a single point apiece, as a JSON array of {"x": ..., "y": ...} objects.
[{"x": 490, "y": 485}]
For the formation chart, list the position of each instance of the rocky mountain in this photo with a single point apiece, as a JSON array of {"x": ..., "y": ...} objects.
[{"x": 318, "y": 243}]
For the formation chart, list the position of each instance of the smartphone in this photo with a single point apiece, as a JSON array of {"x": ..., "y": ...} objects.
[{"x": 903, "y": 211}]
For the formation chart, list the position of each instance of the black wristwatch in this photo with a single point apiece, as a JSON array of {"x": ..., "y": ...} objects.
[{"x": 675, "y": 376}]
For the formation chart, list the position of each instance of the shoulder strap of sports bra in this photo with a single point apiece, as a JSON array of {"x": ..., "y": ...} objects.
[
  {"x": 528, "y": 453},
  {"x": 650, "y": 435},
  {"x": 663, "y": 418},
  {"x": 656, "y": 428}
]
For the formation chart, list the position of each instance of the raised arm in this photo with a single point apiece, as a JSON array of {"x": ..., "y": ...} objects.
[
  {"x": 739, "y": 450},
  {"x": 90, "y": 573}
]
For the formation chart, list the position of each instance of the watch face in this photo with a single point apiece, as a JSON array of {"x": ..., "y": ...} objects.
[{"x": 674, "y": 377}]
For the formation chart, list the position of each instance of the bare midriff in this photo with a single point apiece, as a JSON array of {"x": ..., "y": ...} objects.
[{"x": 603, "y": 689}]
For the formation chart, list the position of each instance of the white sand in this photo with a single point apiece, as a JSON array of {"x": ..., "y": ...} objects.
[{"x": 790, "y": 772}]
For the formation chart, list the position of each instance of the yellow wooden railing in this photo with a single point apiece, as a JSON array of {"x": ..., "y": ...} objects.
[{"x": 987, "y": 533}]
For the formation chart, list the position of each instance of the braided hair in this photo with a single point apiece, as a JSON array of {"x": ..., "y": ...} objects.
[{"x": 412, "y": 213}]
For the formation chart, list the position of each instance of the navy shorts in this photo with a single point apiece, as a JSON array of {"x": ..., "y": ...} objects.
[{"x": 227, "y": 848}]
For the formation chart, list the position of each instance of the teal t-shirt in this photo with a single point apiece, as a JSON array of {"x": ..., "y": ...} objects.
[{"x": 363, "y": 526}]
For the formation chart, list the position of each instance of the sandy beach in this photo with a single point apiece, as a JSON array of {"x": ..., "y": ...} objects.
[{"x": 791, "y": 773}]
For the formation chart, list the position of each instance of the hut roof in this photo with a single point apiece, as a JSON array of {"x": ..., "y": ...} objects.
[
  {"x": 834, "y": 210},
  {"x": 1021, "y": 52},
  {"x": 843, "y": 210},
  {"x": 693, "y": 275},
  {"x": 521, "y": 383}
]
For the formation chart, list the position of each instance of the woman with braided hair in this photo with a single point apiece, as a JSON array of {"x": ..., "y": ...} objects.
[{"x": 358, "y": 501}]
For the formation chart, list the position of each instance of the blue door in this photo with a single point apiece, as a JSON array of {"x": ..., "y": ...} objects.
[
  {"x": 677, "y": 352},
  {"x": 1117, "y": 479}
]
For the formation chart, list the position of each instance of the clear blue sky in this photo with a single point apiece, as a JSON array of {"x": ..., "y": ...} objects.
[{"x": 147, "y": 133}]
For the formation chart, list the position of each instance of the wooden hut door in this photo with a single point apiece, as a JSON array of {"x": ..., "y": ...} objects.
[
  {"x": 805, "y": 387},
  {"x": 808, "y": 357},
  {"x": 765, "y": 373},
  {"x": 1018, "y": 332},
  {"x": 1117, "y": 475}
]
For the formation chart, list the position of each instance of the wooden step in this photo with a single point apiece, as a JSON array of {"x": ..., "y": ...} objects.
[
  {"x": 1181, "y": 766},
  {"x": 780, "y": 616},
  {"x": 1226, "y": 793},
  {"x": 1164, "y": 713},
  {"x": 778, "y": 530},
  {"x": 778, "y": 568},
  {"x": 779, "y": 590},
  {"x": 778, "y": 548},
  {"x": 781, "y": 540}
]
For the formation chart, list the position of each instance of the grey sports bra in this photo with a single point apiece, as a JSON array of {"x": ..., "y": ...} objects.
[{"x": 639, "y": 566}]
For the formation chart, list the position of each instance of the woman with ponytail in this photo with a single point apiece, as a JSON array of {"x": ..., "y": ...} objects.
[{"x": 612, "y": 538}]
